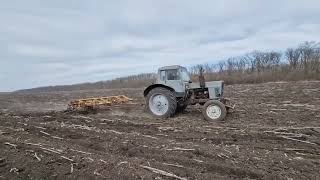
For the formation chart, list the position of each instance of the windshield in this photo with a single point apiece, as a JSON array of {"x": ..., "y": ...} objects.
[{"x": 184, "y": 75}]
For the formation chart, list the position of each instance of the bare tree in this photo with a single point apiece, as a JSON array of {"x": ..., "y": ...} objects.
[{"x": 292, "y": 56}]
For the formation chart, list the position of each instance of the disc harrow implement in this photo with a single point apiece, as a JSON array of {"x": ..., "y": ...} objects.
[{"x": 92, "y": 103}]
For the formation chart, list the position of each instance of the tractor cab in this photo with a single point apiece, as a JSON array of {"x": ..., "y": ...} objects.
[
  {"x": 176, "y": 77},
  {"x": 172, "y": 73}
]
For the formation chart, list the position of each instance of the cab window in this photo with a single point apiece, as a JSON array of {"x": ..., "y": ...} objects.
[
  {"x": 172, "y": 74},
  {"x": 185, "y": 75},
  {"x": 163, "y": 75}
]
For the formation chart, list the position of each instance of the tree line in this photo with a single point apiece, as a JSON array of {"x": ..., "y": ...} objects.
[{"x": 299, "y": 63}]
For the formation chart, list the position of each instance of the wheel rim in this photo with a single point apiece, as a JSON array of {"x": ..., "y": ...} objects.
[
  {"x": 213, "y": 111},
  {"x": 158, "y": 104}
]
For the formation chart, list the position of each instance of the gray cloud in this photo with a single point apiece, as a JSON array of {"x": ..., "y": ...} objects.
[{"x": 63, "y": 42}]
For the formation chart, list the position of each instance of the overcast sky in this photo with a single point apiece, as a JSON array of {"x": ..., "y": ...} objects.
[{"x": 51, "y": 42}]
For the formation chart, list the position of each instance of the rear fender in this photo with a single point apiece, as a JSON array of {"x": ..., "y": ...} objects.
[{"x": 149, "y": 88}]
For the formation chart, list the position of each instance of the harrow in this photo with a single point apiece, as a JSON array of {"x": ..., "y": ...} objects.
[{"x": 92, "y": 103}]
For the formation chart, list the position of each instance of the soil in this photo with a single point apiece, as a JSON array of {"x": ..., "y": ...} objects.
[{"x": 273, "y": 133}]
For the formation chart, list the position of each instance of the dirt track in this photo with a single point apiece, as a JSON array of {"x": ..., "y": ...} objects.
[{"x": 273, "y": 134}]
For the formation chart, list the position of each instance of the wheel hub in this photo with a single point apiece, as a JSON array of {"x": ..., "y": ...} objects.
[
  {"x": 158, "y": 104},
  {"x": 213, "y": 111}
]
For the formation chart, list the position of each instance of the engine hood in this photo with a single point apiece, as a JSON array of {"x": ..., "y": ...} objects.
[{"x": 209, "y": 84}]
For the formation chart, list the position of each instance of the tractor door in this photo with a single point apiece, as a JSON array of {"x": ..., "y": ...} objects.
[{"x": 173, "y": 79}]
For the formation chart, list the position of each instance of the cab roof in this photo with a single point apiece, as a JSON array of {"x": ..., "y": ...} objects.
[{"x": 170, "y": 67}]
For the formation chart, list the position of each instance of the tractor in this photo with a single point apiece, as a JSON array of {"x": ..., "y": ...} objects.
[{"x": 173, "y": 91}]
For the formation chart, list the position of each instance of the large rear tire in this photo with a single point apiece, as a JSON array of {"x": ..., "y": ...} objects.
[
  {"x": 161, "y": 102},
  {"x": 214, "y": 110}
]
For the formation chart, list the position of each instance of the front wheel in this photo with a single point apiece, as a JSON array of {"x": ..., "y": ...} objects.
[{"x": 214, "y": 110}]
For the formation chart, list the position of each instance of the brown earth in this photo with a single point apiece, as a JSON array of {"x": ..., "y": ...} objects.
[{"x": 272, "y": 134}]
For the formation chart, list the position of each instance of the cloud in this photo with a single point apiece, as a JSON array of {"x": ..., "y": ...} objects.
[{"x": 65, "y": 42}]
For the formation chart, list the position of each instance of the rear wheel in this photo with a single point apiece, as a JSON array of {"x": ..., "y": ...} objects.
[
  {"x": 161, "y": 102},
  {"x": 214, "y": 110}
]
